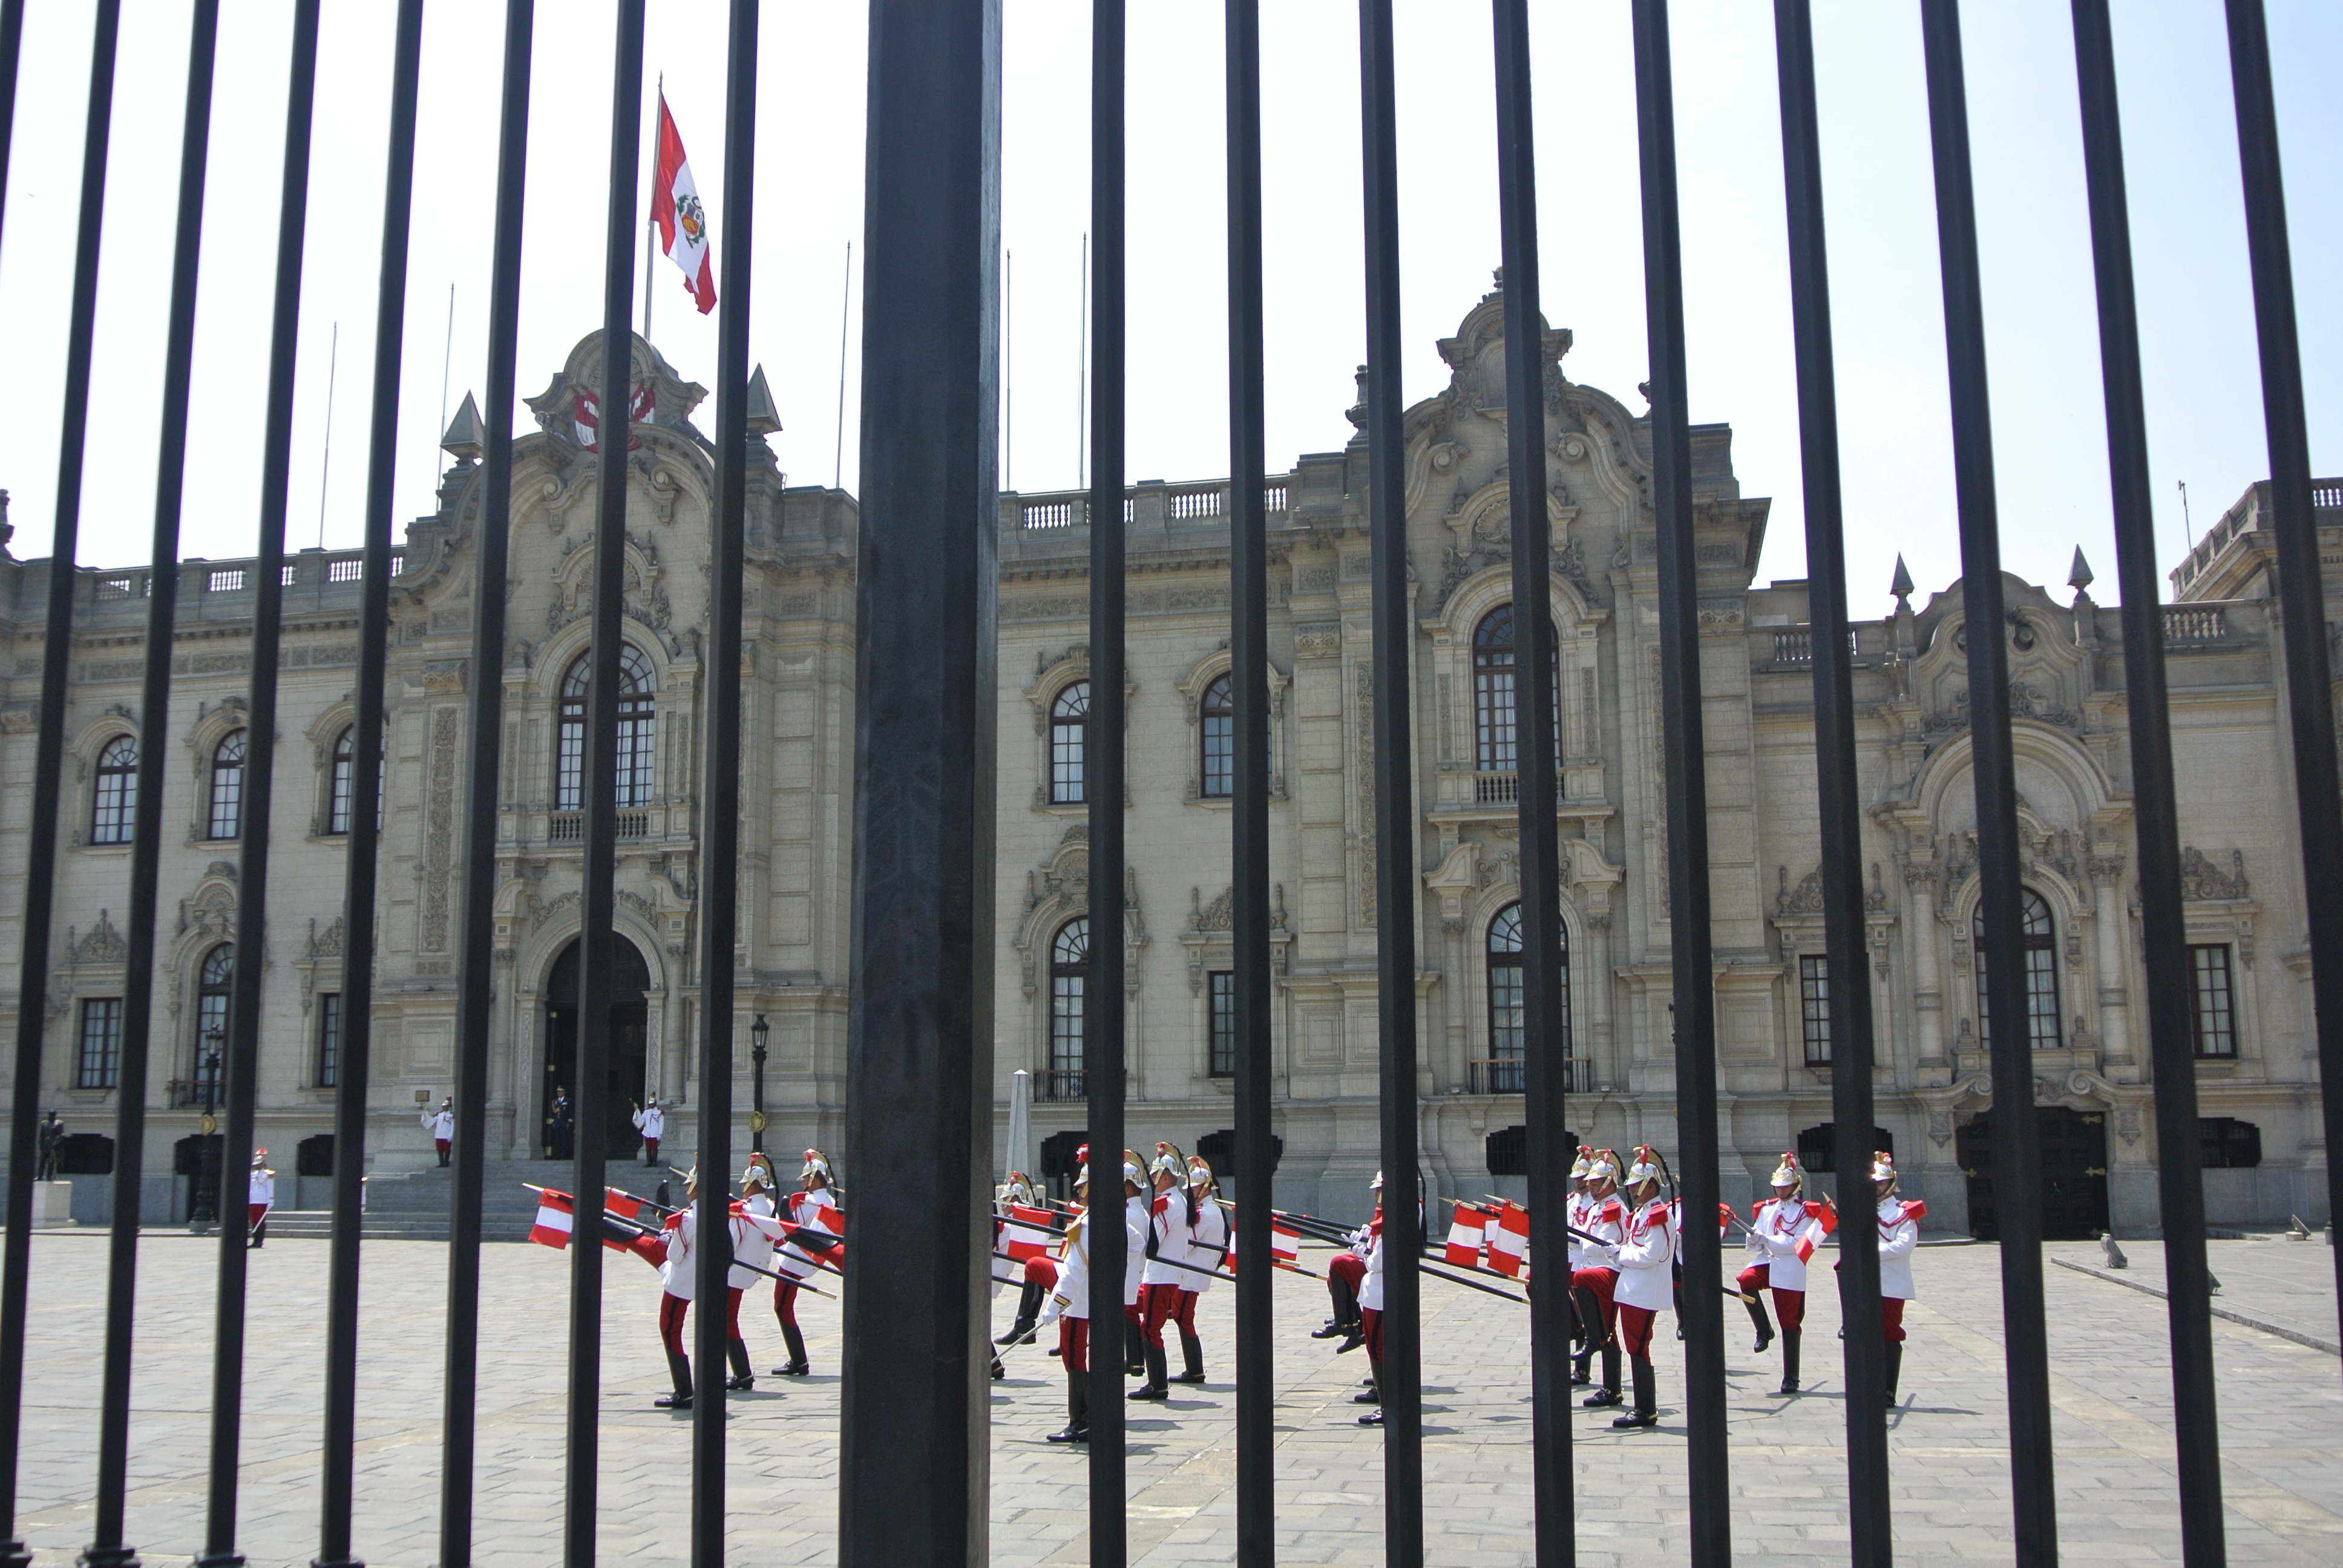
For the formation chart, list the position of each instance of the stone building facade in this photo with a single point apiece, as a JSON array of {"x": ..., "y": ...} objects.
[{"x": 2257, "y": 1072}]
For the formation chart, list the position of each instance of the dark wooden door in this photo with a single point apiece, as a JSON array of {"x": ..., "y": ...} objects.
[{"x": 2072, "y": 1148}]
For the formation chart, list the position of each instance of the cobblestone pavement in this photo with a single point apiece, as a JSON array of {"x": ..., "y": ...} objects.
[
  {"x": 2266, "y": 1280},
  {"x": 2284, "y": 1404}
]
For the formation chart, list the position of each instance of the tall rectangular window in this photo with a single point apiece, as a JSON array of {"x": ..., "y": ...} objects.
[
  {"x": 1222, "y": 989},
  {"x": 329, "y": 1038},
  {"x": 2212, "y": 999},
  {"x": 99, "y": 1063},
  {"x": 1813, "y": 1007}
]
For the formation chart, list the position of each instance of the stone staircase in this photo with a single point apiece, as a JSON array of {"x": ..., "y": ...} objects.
[{"x": 412, "y": 1205}]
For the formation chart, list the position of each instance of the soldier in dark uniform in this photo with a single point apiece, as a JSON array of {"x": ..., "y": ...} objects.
[
  {"x": 561, "y": 1119},
  {"x": 52, "y": 1140}
]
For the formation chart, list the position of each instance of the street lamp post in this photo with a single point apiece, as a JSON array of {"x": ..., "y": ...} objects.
[
  {"x": 757, "y": 1033},
  {"x": 203, "y": 1210}
]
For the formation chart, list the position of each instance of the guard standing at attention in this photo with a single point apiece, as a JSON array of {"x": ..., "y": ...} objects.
[
  {"x": 1208, "y": 1248},
  {"x": 261, "y": 1198},
  {"x": 1598, "y": 1278},
  {"x": 1138, "y": 1214},
  {"x": 1645, "y": 1257},
  {"x": 652, "y": 1120},
  {"x": 677, "y": 1275},
  {"x": 1171, "y": 1220},
  {"x": 441, "y": 1125}
]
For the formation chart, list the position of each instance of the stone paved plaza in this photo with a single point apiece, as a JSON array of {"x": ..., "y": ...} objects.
[{"x": 2282, "y": 1405}]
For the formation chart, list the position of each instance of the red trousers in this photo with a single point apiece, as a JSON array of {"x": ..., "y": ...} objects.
[
  {"x": 1042, "y": 1271},
  {"x": 1348, "y": 1268},
  {"x": 1074, "y": 1343},
  {"x": 671, "y": 1311},
  {"x": 784, "y": 1302},
  {"x": 1162, "y": 1304},
  {"x": 1371, "y": 1324},
  {"x": 1891, "y": 1319},
  {"x": 651, "y": 1148},
  {"x": 1636, "y": 1331},
  {"x": 733, "y": 1332},
  {"x": 1790, "y": 1306},
  {"x": 1602, "y": 1282},
  {"x": 440, "y": 1144},
  {"x": 253, "y": 1212}
]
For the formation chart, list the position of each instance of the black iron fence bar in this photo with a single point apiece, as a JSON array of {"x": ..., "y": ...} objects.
[
  {"x": 1249, "y": 812},
  {"x": 598, "y": 906},
  {"x": 12, "y": 49},
  {"x": 1869, "y": 1520},
  {"x": 476, "y": 981},
  {"x": 1392, "y": 616},
  {"x": 919, "y": 1009},
  {"x": 2017, "y": 1201},
  {"x": 2164, "y": 928},
  {"x": 1546, "y": 1076},
  {"x": 353, "y": 1067},
  {"x": 1707, "y": 1463},
  {"x": 720, "y": 834},
  {"x": 1102, "y": 1012},
  {"x": 49, "y": 746},
  {"x": 2310, "y": 709}
]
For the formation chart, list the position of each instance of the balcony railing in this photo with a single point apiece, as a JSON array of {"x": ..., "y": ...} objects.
[
  {"x": 1497, "y": 789},
  {"x": 187, "y": 1093},
  {"x": 1795, "y": 644},
  {"x": 1509, "y": 1075},
  {"x": 1062, "y": 1084},
  {"x": 2186, "y": 624},
  {"x": 569, "y": 827}
]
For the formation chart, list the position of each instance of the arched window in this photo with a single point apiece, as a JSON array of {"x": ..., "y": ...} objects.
[
  {"x": 227, "y": 787},
  {"x": 2043, "y": 1020},
  {"x": 636, "y": 732},
  {"x": 337, "y": 795},
  {"x": 1069, "y": 740},
  {"x": 1070, "y": 968},
  {"x": 113, "y": 809},
  {"x": 1508, "y": 1029},
  {"x": 1494, "y": 747},
  {"x": 212, "y": 983},
  {"x": 1218, "y": 718}
]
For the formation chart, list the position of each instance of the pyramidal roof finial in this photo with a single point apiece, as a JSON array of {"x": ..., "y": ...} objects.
[
  {"x": 464, "y": 440},
  {"x": 1902, "y": 584},
  {"x": 2078, "y": 575}
]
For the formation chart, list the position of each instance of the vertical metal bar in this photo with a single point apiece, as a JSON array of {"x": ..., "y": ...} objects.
[
  {"x": 476, "y": 983},
  {"x": 1851, "y": 1038},
  {"x": 1392, "y": 611},
  {"x": 2310, "y": 689},
  {"x": 2164, "y": 928},
  {"x": 1544, "y": 1024},
  {"x": 912, "y": 1471},
  {"x": 720, "y": 835},
  {"x": 355, "y": 1054},
  {"x": 1249, "y": 807},
  {"x": 2016, "y": 1167},
  {"x": 1102, "y": 788},
  {"x": 598, "y": 906},
  {"x": 1706, "y": 1460}
]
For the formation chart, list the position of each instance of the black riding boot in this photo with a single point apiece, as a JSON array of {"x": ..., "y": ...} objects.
[
  {"x": 1029, "y": 1307},
  {"x": 1157, "y": 1386},
  {"x": 1645, "y": 1411},
  {"x": 736, "y": 1352},
  {"x": 1590, "y": 1321},
  {"x": 1346, "y": 1309},
  {"x": 1134, "y": 1349},
  {"x": 1895, "y": 1369},
  {"x": 260, "y": 1232},
  {"x": 1078, "y": 1410},
  {"x": 795, "y": 1338},
  {"x": 1789, "y": 1361},
  {"x": 1191, "y": 1358},
  {"x": 1609, "y": 1393},
  {"x": 1757, "y": 1305},
  {"x": 679, "y": 1370}
]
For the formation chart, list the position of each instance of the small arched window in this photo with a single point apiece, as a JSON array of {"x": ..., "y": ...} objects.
[
  {"x": 1493, "y": 675},
  {"x": 113, "y": 808},
  {"x": 1508, "y": 1019},
  {"x": 1070, "y": 739},
  {"x": 338, "y": 803},
  {"x": 637, "y": 732},
  {"x": 212, "y": 984},
  {"x": 227, "y": 787},
  {"x": 1219, "y": 721},
  {"x": 2039, "y": 944},
  {"x": 1070, "y": 968}
]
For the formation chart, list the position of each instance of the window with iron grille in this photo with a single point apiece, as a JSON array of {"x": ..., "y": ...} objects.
[
  {"x": 1069, "y": 965},
  {"x": 113, "y": 808},
  {"x": 1496, "y": 740},
  {"x": 1220, "y": 989},
  {"x": 2212, "y": 999},
  {"x": 2043, "y": 1023},
  {"x": 227, "y": 787},
  {"x": 1506, "y": 1036},
  {"x": 2226, "y": 1143},
  {"x": 1813, "y": 1007},
  {"x": 636, "y": 732},
  {"x": 1069, "y": 736},
  {"x": 329, "y": 1039},
  {"x": 1218, "y": 718},
  {"x": 99, "y": 1063}
]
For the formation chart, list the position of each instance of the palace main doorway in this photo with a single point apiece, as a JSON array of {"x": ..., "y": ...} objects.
[
  {"x": 2073, "y": 1149},
  {"x": 630, "y": 1021}
]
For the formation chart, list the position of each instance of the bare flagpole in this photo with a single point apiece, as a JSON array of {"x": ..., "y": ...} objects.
[
  {"x": 325, "y": 461},
  {"x": 845, "y": 304}
]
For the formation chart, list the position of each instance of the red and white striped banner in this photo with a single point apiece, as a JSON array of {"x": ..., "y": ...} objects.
[
  {"x": 1821, "y": 1220},
  {"x": 1467, "y": 1236},
  {"x": 1027, "y": 1233},
  {"x": 554, "y": 1218},
  {"x": 1509, "y": 1240}
]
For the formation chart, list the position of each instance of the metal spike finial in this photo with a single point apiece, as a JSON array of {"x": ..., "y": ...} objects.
[
  {"x": 2078, "y": 575},
  {"x": 1900, "y": 586},
  {"x": 463, "y": 440}
]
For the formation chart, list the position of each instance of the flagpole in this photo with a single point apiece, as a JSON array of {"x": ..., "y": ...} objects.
[
  {"x": 651, "y": 224},
  {"x": 845, "y": 308}
]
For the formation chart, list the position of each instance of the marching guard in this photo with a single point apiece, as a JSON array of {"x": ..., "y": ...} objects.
[
  {"x": 677, "y": 1276},
  {"x": 1646, "y": 1256},
  {"x": 798, "y": 1258},
  {"x": 1604, "y": 1218},
  {"x": 1208, "y": 1246},
  {"x": 261, "y": 1198},
  {"x": 1171, "y": 1223},
  {"x": 1578, "y": 1216},
  {"x": 1899, "y": 1232},
  {"x": 756, "y": 1226},
  {"x": 1773, "y": 1241},
  {"x": 1138, "y": 1215}
]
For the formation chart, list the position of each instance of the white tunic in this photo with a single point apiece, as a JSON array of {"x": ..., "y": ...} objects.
[
  {"x": 1899, "y": 1232},
  {"x": 1773, "y": 1237},
  {"x": 1135, "y": 1220},
  {"x": 1072, "y": 1299},
  {"x": 680, "y": 1271},
  {"x": 1168, "y": 1228},
  {"x": 1578, "y": 1213},
  {"x": 754, "y": 1231},
  {"x": 440, "y": 1124},
  {"x": 1371, "y": 1289},
  {"x": 1600, "y": 1218},
  {"x": 264, "y": 1185},
  {"x": 1207, "y": 1244},
  {"x": 652, "y": 1120},
  {"x": 804, "y": 1209},
  {"x": 1646, "y": 1248}
]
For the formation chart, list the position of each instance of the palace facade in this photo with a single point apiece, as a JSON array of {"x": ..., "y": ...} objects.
[{"x": 2257, "y": 1074}]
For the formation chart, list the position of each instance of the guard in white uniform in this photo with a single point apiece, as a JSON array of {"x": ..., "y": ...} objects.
[
  {"x": 1899, "y": 1232},
  {"x": 1585, "y": 1317},
  {"x": 676, "y": 1278},
  {"x": 797, "y": 1257},
  {"x": 756, "y": 1226},
  {"x": 260, "y": 1198},
  {"x": 1069, "y": 1307},
  {"x": 1139, "y": 1213},
  {"x": 441, "y": 1125},
  {"x": 1644, "y": 1256},
  {"x": 1208, "y": 1247},
  {"x": 1371, "y": 1313},
  {"x": 652, "y": 1120},
  {"x": 1171, "y": 1222},
  {"x": 1596, "y": 1279},
  {"x": 1771, "y": 1242}
]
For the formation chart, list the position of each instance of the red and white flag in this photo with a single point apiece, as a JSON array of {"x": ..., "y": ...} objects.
[
  {"x": 1509, "y": 1240},
  {"x": 682, "y": 221},
  {"x": 1821, "y": 1220},
  {"x": 1464, "y": 1236},
  {"x": 554, "y": 1217},
  {"x": 1284, "y": 1247},
  {"x": 1027, "y": 1233}
]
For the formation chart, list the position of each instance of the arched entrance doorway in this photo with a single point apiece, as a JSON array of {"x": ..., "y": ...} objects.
[
  {"x": 2072, "y": 1149},
  {"x": 630, "y": 1018}
]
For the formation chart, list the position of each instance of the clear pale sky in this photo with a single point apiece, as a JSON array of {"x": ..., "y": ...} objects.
[{"x": 2202, "y": 372}]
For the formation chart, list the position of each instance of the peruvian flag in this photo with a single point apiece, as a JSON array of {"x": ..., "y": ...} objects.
[
  {"x": 682, "y": 221},
  {"x": 1284, "y": 1247},
  {"x": 1464, "y": 1236},
  {"x": 557, "y": 1219},
  {"x": 554, "y": 1217},
  {"x": 1821, "y": 1220},
  {"x": 1026, "y": 1233},
  {"x": 1509, "y": 1240}
]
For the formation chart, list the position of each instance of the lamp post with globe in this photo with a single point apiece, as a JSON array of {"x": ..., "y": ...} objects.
[{"x": 759, "y": 1032}]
